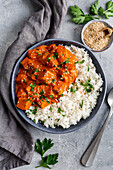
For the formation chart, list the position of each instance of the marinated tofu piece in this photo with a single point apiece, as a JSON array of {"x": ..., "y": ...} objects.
[{"x": 23, "y": 103}]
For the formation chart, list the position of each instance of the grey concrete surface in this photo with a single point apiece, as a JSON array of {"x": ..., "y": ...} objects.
[{"x": 13, "y": 15}]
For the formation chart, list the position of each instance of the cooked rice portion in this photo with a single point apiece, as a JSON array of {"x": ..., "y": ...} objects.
[{"x": 77, "y": 102}]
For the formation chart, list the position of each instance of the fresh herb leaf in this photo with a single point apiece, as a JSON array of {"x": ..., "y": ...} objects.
[
  {"x": 76, "y": 11},
  {"x": 37, "y": 52},
  {"x": 32, "y": 86},
  {"x": 94, "y": 8},
  {"x": 50, "y": 109},
  {"x": 88, "y": 68},
  {"x": 24, "y": 81},
  {"x": 35, "y": 71},
  {"x": 109, "y": 10},
  {"x": 51, "y": 159},
  {"x": 35, "y": 76},
  {"x": 54, "y": 56},
  {"x": 60, "y": 66},
  {"x": 34, "y": 110},
  {"x": 63, "y": 115},
  {"x": 42, "y": 121},
  {"x": 81, "y": 104},
  {"x": 61, "y": 78},
  {"x": 72, "y": 90},
  {"x": 53, "y": 80},
  {"x": 79, "y": 16},
  {"x": 80, "y": 62},
  {"x": 44, "y": 70},
  {"x": 51, "y": 96},
  {"x": 42, "y": 147},
  {"x": 62, "y": 95},
  {"x": 26, "y": 100},
  {"x": 59, "y": 110},
  {"x": 67, "y": 61},
  {"x": 88, "y": 86},
  {"x": 38, "y": 146},
  {"x": 48, "y": 59},
  {"x": 46, "y": 99},
  {"x": 34, "y": 120}
]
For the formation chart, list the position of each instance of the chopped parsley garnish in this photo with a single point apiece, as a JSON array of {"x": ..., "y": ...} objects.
[
  {"x": 60, "y": 65},
  {"x": 72, "y": 90},
  {"x": 35, "y": 71},
  {"x": 35, "y": 94},
  {"x": 42, "y": 100},
  {"x": 48, "y": 59},
  {"x": 44, "y": 70},
  {"x": 67, "y": 60},
  {"x": 34, "y": 120},
  {"x": 38, "y": 52},
  {"x": 24, "y": 81},
  {"x": 61, "y": 78},
  {"x": 50, "y": 108},
  {"x": 51, "y": 96},
  {"x": 39, "y": 84},
  {"x": 46, "y": 100},
  {"x": 45, "y": 84},
  {"x": 31, "y": 66},
  {"x": 53, "y": 80},
  {"x": 63, "y": 115},
  {"x": 54, "y": 56},
  {"x": 26, "y": 100},
  {"x": 88, "y": 68},
  {"x": 34, "y": 110},
  {"x": 32, "y": 86},
  {"x": 80, "y": 62},
  {"x": 62, "y": 54},
  {"x": 59, "y": 110},
  {"x": 62, "y": 95},
  {"x": 42, "y": 121},
  {"x": 88, "y": 86},
  {"x": 54, "y": 90},
  {"x": 35, "y": 76},
  {"x": 81, "y": 104}
]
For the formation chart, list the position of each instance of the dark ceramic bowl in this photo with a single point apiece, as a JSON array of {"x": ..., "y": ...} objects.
[
  {"x": 59, "y": 130},
  {"x": 86, "y": 25}
]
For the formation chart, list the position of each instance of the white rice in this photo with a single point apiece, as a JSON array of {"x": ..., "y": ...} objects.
[{"x": 70, "y": 103}]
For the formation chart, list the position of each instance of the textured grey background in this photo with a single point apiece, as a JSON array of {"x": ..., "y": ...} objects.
[{"x": 13, "y": 14}]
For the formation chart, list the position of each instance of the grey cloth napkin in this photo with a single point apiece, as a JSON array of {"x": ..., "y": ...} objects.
[{"x": 16, "y": 142}]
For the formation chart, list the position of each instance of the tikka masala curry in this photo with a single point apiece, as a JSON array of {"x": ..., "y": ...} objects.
[{"x": 46, "y": 72}]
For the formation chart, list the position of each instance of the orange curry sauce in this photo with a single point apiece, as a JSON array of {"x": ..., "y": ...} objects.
[{"x": 46, "y": 73}]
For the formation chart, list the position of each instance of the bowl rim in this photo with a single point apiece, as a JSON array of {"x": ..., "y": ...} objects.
[
  {"x": 83, "y": 29},
  {"x": 43, "y": 128}
]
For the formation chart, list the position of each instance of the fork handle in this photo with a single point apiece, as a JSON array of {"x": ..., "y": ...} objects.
[{"x": 90, "y": 153}]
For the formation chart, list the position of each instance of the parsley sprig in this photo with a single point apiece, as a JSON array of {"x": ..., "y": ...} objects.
[
  {"x": 41, "y": 148},
  {"x": 95, "y": 12},
  {"x": 109, "y": 10},
  {"x": 79, "y": 16},
  {"x": 94, "y": 9}
]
